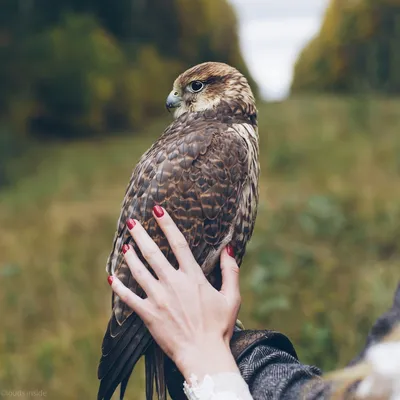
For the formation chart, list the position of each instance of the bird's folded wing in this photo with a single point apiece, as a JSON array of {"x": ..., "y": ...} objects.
[{"x": 196, "y": 170}]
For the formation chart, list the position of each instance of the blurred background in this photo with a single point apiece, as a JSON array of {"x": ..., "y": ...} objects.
[{"x": 83, "y": 85}]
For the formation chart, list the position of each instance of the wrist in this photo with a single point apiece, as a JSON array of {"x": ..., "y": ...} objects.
[{"x": 210, "y": 358}]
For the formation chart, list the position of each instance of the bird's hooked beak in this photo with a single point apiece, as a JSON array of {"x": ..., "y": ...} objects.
[{"x": 173, "y": 100}]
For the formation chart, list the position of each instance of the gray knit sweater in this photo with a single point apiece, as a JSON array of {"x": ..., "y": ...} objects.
[{"x": 269, "y": 364}]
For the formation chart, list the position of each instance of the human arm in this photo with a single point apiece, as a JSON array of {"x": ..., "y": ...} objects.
[
  {"x": 190, "y": 320},
  {"x": 272, "y": 370}
]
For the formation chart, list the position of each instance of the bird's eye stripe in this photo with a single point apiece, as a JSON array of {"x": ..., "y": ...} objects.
[{"x": 214, "y": 79}]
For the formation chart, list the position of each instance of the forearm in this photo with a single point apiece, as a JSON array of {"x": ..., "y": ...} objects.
[
  {"x": 211, "y": 373},
  {"x": 274, "y": 374},
  {"x": 212, "y": 358},
  {"x": 267, "y": 372}
]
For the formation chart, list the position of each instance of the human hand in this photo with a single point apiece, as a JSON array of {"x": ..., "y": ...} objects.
[{"x": 190, "y": 320}]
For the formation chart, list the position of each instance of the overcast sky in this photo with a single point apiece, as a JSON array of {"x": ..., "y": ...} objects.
[{"x": 272, "y": 33}]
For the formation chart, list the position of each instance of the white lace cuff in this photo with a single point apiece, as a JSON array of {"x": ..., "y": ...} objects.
[
  {"x": 225, "y": 386},
  {"x": 384, "y": 379}
]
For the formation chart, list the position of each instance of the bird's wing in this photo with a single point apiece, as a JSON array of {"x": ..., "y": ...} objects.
[{"x": 196, "y": 170}]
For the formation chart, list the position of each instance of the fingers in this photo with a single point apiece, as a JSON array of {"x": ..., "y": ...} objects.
[
  {"x": 131, "y": 299},
  {"x": 176, "y": 240},
  {"x": 230, "y": 276},
  {"x": 142, "y": 275},
  {"x": 150, "y": 251}
]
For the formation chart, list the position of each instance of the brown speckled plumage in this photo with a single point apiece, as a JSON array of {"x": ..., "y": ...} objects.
[{"x": 204, "y": 170}]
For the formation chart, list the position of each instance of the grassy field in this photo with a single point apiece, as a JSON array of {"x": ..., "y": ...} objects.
[{"x": 323, "y": 263}]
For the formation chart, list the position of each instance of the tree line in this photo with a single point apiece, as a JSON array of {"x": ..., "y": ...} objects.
[
  {"x": 356, "y": 51},
  {"x": 86, "y": 67}
]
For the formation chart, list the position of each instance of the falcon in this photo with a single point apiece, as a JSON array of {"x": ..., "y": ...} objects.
[{"x": 204, "y": 171}]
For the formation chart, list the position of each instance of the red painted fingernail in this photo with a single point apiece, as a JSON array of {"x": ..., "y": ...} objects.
[
  {"x": 110, "y": 280},
  {"x": 158, "y": 211},
  {"x": 131, "y": 223},
  {"x": 125, "y": 247},
  {"x": 229, "y": 250}
]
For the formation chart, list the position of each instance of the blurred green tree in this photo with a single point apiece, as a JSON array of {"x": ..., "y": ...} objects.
[
  {"x": 75, "y": 67},
  {"x": 356, "y": 50}
]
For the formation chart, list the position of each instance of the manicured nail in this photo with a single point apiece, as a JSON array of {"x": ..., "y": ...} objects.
[
  {"x": 131, "y": 223},
  {"x": 125, "y": 247},
  {"x": 158, "y": 211},
  {"x": 229, "y": 250},
  {"x": 110, "y": 280}
]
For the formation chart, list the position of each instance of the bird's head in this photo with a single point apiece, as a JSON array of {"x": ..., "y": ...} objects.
[{"x": 204, "y": 86}]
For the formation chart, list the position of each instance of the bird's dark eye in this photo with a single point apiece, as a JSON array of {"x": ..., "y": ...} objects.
[{"x": 196, "y": 86}]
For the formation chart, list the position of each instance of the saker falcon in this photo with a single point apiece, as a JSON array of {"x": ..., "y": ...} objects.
[{"x": 204, "y": 171}]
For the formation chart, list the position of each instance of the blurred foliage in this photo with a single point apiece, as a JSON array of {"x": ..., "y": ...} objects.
[
  {"x": 77, "y": 68},
  {"x": 9, "y": 150},
  {"x": 322, "y": 266},
  {"x": 356, "y": 50}
]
